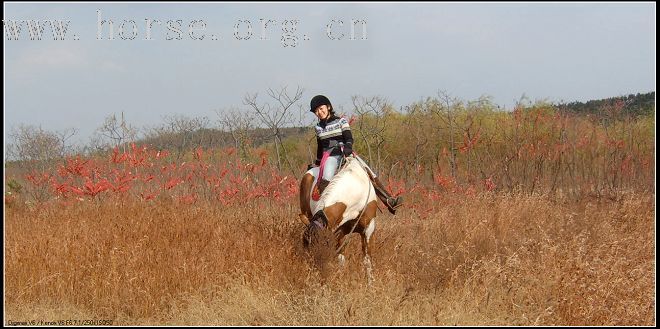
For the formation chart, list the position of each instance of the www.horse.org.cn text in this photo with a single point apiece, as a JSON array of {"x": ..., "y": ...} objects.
[{"x": 287, "y": 31}]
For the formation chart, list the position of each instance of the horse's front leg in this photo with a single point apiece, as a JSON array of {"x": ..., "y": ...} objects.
[
  {"x": 340, "y": 236},
  {"x": 341, "y": 260},
  {"x": 367, "y": 240},
  {"x": 367, "y": 228}
]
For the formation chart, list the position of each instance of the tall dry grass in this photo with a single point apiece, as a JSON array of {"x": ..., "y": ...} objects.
[{"x": 482, "y": 260}]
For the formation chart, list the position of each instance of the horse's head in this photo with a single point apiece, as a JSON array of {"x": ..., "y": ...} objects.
[{"x": 318, "y": 222}]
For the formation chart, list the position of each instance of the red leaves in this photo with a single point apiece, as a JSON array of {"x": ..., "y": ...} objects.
[
  {"x": 616, "y": 143},
  {"x": 38, "y": 179},
  {"x": 148, "y": 196},
  {"x": 488, "y": 183},
  {"x": 9, "y": 199},
  {"x": 137, "y": 156},
  {"x": 161, "y": 154},
  {"x": 583, "y": 142},
  {"x": 78, "y": 167},
  {"x": 445, "y": 182},
  {"x": 199, "y": 154},
  {"x": 147, "y": 176},
  {"x": 291, "y": 188},
  {"x": 172, "y": 183},
  {"x": 116, "y": 158},
  {"x": 396, "y": 186},
  {"x": 188, "y": 199},
  {"x": 92, "y": 189},
  {"x": 469, "y": 142},
  {"x": 76, "y": 191}
]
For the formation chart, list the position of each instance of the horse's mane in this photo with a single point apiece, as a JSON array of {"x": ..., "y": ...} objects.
[{"x": 352, "y": 165}]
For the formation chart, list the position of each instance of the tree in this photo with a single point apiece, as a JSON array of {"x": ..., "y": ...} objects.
[
  {"x": 276, "y": 117},
  {"x": 114, "y": 133},
  {"x": 415, "y": 119},
  {"x": 446, "y": 109},
  {"x": 240, "y": 126},
  {"x": 372, "y": 121},
  {"x": 38, "y": 147},
  {"x": 180, "y": 133}
]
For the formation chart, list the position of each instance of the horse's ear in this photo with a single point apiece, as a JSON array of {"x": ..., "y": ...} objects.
[{"x": 303, "y": 219}]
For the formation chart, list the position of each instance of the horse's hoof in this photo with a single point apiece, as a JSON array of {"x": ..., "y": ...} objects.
[{"x": 341, "y": 259}]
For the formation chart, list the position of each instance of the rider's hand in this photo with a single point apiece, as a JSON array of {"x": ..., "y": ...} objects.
[{"x": 348, "y": 151}]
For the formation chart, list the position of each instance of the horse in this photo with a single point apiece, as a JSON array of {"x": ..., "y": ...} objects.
[{"x": 348, "y": 205}]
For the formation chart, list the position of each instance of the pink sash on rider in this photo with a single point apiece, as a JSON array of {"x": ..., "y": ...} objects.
[
  {"x": 315, "y": 192},
  {"x": 326, "y": 154}
]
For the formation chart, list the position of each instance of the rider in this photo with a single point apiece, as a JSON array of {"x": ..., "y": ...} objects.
[{"x": 332, "y": 133}]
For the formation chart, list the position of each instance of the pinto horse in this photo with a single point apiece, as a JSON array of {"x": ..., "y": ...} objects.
[{"x": 348, "y": 205}]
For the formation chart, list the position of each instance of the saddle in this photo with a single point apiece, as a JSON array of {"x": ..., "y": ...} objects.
[{"x": 316, "y": 195}]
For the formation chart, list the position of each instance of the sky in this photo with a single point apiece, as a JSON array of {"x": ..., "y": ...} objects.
[{"x": 155, "y": 66}]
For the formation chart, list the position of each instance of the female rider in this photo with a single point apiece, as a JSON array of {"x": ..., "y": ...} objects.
[{"x": 334, "y": 140}]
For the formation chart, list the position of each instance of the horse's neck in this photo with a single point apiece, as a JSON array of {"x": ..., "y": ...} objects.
[
  {"x": 341, "y": 181},
  {"x": 348, "y": 168},
  {"x": 350, "y": 164}
]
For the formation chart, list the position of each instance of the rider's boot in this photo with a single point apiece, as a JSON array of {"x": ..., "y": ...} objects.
[
  {"x": 391, "y": 202},
  {"x": 322, "y": 185}
]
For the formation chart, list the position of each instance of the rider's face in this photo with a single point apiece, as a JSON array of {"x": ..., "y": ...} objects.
[{"x": 322, "y": 112}]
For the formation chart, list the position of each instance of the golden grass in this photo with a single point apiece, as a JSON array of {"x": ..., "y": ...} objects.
[{"x": 485, "y": 260}]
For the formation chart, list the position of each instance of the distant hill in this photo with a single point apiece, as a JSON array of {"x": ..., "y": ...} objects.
[
  {"x": 637, "y": 104},
  {"x": 211, "y": 138}
]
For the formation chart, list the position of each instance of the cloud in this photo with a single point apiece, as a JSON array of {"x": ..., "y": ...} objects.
[
  {"x": 52, "y": 57},
  {"x": 111, "y": 66}
]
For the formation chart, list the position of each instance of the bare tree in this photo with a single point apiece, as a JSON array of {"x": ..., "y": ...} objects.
[
  {"x": 484, "y": 159},
  {"x": 97, "y": 144},
  {"x": 64, "y": 136},
  {"x": 447, "y": 112},
  {"x": 372, "y": 120},
  {"x": 114, "y": 132},
  {"x": 415, "y": 119},
  {"x": 276, "y": 117},
  {"x": 183, "y": 128},
  {"x": 240, "y": 126},
  {"x": 38, "y": 147},
  {"x": 304, "y": 119}
]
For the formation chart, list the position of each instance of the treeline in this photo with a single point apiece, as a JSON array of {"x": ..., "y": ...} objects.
[
  {"x": 633, "y": 104},
  {"x": 536, "y": 147},
  {"x": 444, "y": 141},
  {"x": 208, "y": 138}
]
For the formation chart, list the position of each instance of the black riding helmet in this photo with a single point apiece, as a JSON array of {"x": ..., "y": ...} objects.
[{"x": 317, "y": 101}]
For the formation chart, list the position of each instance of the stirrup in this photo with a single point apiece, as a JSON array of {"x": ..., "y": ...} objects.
[{"x": 394, "y": 202}]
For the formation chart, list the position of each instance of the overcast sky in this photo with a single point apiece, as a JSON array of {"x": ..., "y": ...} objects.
[{"x": 546, "y": 51}]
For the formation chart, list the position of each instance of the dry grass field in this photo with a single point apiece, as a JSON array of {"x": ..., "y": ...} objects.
[{"x": 487, "y": 259}]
